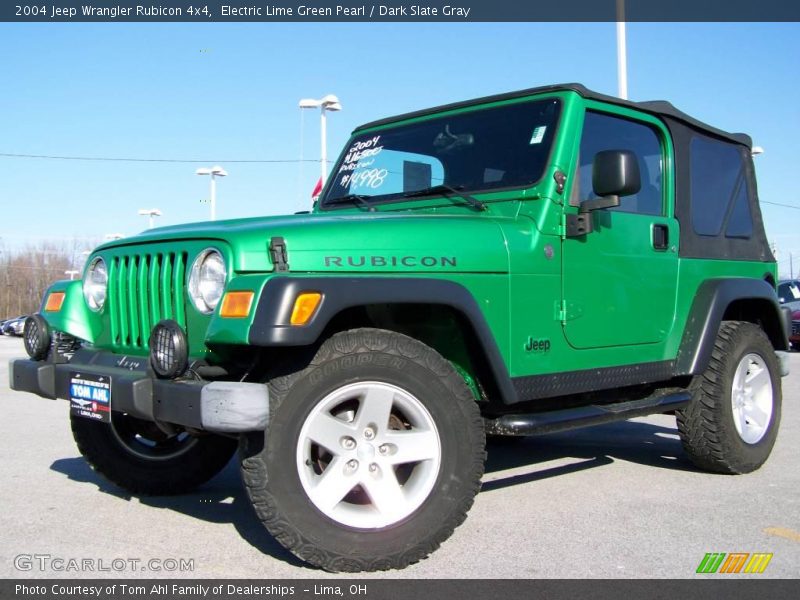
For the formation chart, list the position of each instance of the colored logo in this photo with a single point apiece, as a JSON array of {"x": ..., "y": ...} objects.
[{"x": 735, "y": 562}]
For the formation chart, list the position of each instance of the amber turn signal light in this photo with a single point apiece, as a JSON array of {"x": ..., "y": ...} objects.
[
  {"x": 236, "y": 305},
  {"x": 304, "y": 307},
  {"x": 54, "y": 302}
]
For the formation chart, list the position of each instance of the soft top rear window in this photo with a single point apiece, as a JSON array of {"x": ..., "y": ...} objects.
[{"x": 719, "y": 189}]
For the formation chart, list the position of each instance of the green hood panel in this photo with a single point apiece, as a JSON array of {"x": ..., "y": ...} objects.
[{"x": 432, "y": 243}]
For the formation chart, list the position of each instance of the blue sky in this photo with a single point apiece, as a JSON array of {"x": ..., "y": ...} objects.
[{"x": 220, "y": 92}]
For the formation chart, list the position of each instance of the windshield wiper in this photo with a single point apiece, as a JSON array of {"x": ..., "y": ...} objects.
[
  {"x": 445, "y": 190},
  {"x": 358, "y": 199}
]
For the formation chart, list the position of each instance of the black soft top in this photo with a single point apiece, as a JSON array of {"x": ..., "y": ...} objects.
[{"x": 660, "y": 108}]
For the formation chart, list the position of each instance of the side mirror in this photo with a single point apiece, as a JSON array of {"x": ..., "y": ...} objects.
[{"x": 615, "y": 173}]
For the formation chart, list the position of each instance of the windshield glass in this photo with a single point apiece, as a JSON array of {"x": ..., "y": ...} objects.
[{"x": 482, "y": 150}]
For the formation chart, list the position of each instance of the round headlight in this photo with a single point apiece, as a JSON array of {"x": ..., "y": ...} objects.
[
  {"x": 95, "y": 284},
  {"x": 207, "y": 280}
]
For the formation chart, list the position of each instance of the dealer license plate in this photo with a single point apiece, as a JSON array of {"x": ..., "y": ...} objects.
[{"x": 90, "y": 396}]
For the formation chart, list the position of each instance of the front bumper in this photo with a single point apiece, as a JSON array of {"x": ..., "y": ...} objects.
[{"x": 217, "y": 406}]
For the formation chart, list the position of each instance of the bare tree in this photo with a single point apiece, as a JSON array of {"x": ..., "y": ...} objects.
[{"x": 26, "y": 273}]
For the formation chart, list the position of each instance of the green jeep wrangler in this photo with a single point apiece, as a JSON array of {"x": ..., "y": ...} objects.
[{"x": 519, "y": 264}]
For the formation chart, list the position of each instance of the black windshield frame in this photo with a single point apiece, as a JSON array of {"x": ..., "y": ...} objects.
[{"x": 521, "y": 118}]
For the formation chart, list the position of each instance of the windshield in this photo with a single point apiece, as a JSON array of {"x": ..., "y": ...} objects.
[{"x": 481, "y": 150}]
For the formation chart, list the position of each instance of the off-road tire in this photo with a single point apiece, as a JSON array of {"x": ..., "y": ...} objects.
[
  {"x": 201, "y": 459},
  {"x": 271, "y": 473},
  {"x": 706, "y": 427}
]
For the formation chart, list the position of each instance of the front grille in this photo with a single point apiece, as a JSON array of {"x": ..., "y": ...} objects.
[
  {"x": 795, "y": 327},
  {"x": 143, "y": 289}
]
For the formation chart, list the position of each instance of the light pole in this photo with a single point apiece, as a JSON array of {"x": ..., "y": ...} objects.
[
  {"x": 327, "y": 103},
  {"x": 622, "y": 59},
  {"x": 215, "y": 171},
  {"x": 149, "y": 212}
]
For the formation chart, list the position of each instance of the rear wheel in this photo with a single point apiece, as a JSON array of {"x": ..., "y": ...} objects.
[
  {"x": 732, "y": 422},
  {"x": 137, "y": 456},
  {"x": 372, "y": 456}
]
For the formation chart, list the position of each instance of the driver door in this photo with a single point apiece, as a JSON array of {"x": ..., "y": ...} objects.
[{"x": 620, "y": 280}]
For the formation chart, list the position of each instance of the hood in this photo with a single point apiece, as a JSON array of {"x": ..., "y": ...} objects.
[{"x": 371, "y": 242}]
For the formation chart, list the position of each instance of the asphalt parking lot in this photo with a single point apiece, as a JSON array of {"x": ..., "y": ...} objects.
[{"x": 614, "y": 501}]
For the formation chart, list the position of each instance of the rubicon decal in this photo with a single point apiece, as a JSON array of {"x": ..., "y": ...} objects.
[
  {"x": 735, "y": 562},
  {"x": 390, "y": 261}
]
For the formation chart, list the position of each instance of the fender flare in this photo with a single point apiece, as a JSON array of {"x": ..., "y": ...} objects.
[
  {"x": 271, "y": 322},
  {"x": 712, "y": 299}
]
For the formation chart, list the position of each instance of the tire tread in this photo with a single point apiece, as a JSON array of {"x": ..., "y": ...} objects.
[
  {"x": 707, "y": 437},
  {"x": 256, "y": 478}
]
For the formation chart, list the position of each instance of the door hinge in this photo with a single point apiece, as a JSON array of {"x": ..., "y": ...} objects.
[
  {"x": 561, "y": 311},
  {"x": 278, "y": 254},
  {"x": 578, "y": 225}
]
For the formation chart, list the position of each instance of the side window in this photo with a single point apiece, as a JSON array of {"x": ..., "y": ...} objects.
[
  {"x": 719, "y": 191},
  {"x": 606, "y": 132}
]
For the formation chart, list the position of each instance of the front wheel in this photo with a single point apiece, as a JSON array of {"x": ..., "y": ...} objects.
[
  {"x": 732, "y": 422},
  {"x": 372, "y": 456},
  {"x": 137, "y": 456}
]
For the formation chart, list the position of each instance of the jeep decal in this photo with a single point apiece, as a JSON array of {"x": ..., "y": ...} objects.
[{"x": 537, "y": 345}]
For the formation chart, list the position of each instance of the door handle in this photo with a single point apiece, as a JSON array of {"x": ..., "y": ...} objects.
[{"x": 660, "y": 236}]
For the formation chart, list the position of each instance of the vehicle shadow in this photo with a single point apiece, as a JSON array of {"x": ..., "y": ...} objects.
[
  {"x": 221, "y": 500},
  {"x": 633, "y": 441}
]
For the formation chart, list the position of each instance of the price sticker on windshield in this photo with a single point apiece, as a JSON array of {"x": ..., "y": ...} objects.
[{"x": 538, "y": 135}]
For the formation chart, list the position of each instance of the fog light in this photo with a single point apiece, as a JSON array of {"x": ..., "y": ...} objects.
[
  {"x": 36, "y": 336},
  {"x": 168, "y": 349}
]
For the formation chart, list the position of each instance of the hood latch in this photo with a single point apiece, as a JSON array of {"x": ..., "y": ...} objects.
[{"x": 278, "y": 254}]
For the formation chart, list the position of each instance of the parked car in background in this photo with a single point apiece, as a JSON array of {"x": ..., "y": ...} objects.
[
  {"x": 14, "y": 326},
  {"x": 794, "y": 338},
  {"x": 789, "y": 293},
  {"x": 3, "y": 323}
]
